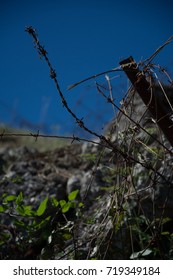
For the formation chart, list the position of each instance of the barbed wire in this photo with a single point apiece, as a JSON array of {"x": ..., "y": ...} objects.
[
  {"x": 103, "y": 140},
  {"x": 37, "y": 135}
]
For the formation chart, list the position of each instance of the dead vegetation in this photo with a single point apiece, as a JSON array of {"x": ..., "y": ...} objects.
[{"x": 126, "y": 192}]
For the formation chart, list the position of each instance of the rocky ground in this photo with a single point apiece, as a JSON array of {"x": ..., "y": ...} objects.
[
  {"x": 56, "y": 174},
  {"x": 124, "y": 205},
  {"x": 36, "y": 173}
]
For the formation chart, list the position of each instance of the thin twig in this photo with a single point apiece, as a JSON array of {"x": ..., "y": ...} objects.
[
  {"x": 94, "y": 76},
  {"x": 148, "y": 60}
]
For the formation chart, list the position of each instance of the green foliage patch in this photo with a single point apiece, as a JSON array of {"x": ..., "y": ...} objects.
[{"x": 26, "y": 229}]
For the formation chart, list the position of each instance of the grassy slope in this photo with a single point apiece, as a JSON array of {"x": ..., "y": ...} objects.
[{"x": 42, "y": 144}]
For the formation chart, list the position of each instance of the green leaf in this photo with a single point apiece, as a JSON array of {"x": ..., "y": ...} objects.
[
  {"x": 73, "y": 195},
  {"x": 55, "y": 202},
  {"x": 42, "y": 207},
  {"x": 28, "y": 211},
  {"x": 65, "y": 207},
  {"x": 1, "y": 208},
  {"x": 81, "y": 204},
  {"x": 24, "y": 210},
  {"x": 62, "y": 203},
  {"x": 165, "y": 233},
  {"x": 20, "y": 210},
  {"x": 37, "y": 226},
  {"x": 9, "y": 198},
  {"x": 20, "y": 223},
  {"x": 4, "y": 237},
  {"x": 67, "y": 236},
  {"x": 19, "y": 198}
]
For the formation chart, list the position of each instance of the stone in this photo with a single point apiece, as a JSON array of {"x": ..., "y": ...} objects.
[{"x": 132, "y": 181}]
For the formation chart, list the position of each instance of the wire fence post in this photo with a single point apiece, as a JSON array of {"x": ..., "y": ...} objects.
[{"x": 149, "y": 96}]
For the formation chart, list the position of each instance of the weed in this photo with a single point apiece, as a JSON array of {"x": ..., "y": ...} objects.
[{"x": 25, "y": 231}]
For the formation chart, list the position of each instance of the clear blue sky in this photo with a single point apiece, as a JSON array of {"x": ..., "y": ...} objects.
[{"x": 82, "y": 38}]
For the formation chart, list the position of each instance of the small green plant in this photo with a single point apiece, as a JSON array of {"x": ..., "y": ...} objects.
[
  {"x": 151, "y": 240},
  {"x": 25, "y": 231}
]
